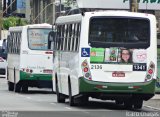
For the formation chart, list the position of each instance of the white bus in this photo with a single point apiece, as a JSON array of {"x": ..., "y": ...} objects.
[
  {"x": 108, "y": 55},
  {"x": 29, "y": 57}
]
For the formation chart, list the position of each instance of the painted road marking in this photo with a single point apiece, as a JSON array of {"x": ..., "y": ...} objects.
[
  {"x": 53, "y": 103},
  {"x": 152, "y": 107},
  {"x": 68, "y": 108},
  {"x": 28, "y": 97}
]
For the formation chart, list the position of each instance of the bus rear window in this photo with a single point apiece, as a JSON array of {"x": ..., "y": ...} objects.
[
  {"x": 119, "y": 31},
  {"x": 38, "y": 39}
]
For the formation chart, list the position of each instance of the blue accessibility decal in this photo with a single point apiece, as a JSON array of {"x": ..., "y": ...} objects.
[{"x": 85, "y": 52}]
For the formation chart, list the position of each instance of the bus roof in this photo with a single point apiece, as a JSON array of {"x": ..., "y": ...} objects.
[
  {"x": 69, "y": 18},
  {"x": 19, "y": 28},
  {"x": 78, "y": 17},
  {"x": 118, "y": 13}
]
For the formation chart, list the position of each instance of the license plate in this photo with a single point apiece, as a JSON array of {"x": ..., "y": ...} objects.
[{"x": 118, "y": 74}]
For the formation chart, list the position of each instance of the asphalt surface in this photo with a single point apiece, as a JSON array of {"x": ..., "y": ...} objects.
[{"x": 42, "y": 103}]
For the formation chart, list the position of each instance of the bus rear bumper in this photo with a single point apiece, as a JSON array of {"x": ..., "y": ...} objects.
[
  {"x": 37, "y": 83},
  {"x": 113, "y": 91},
  {"x": 36, "y": 80}
]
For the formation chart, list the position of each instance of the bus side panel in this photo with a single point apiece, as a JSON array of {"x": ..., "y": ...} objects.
[
  {"x": 68, "y": 69},
  {"x": 74, "y": 70},
  {"x": 13, "y": 67}
]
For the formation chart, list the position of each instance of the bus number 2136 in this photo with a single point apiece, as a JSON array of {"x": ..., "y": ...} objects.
[{"x": 96, "y": 66}]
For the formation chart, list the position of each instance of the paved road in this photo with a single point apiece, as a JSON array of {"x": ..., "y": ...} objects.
[{"x": 42, "y": 103}]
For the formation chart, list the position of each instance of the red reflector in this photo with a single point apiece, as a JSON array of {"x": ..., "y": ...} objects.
[
  {"x": 150, "y": 71},
  {"x": 49, "y": 52},
  {"x": 99, "y": 86},
  {"x": 136, "y": 87},
  {"x": 85, "y": 69},
  {"x": 47, "y": 71}
]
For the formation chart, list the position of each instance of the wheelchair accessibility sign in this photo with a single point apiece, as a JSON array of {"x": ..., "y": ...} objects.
[{"x": 85, "y": 52}]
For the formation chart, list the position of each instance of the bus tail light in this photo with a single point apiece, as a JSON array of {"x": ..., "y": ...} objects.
[
  {"x": 49, "y": 52},
  {"x": 30, "y": 70},
  {"x": 27, "y": 70},
  {"x": 150, "y": 72},
  {"x": 86, "y": 70},
  {"x": 48, "y": 71}
]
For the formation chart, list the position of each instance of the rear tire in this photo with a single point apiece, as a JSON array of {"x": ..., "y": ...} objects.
[
  {"x": 60, "y": 97},
  {"x": 24, "y": 88},
  {"x": 71, "y": 98},
  {"x": 119, "y": 102},
  {"x": 138, "y": 104},
  {"x": 10, "y": 86},
  {"x": 82, "y": 101},
  {"x": 128, "y": 104},
  {"x": 17, "y": 87}
]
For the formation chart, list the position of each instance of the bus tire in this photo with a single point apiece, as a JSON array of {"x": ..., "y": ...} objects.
[
  {"x": 138, "y": 104},
  {"x": 10, "y": 86},
  {"x": 71, "y": 98},
  {"x": 17, "y": 87},
  {"x": 24, "y": 88},
  {"x": 128, "y": 104},
  {"x": 60, "y": 97},
  {"x": 83, "y": 100},
  {"x": 118, "y": 102}
]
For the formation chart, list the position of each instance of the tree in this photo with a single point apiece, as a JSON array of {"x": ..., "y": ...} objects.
[
  {"x": 68, "y": 3},
  {"x": 13, "y": 21}
]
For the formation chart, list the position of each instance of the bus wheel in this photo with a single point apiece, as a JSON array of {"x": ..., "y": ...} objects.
[
  {"x": 128, "y": 104},
  {"x": 119, "y": 102},
  {"x": 60, "y": 97},
  {"x": 10, "y": 86},
  {"x": 138, "y": 104},
  {"x": 71, "y": 98},
  {"x": 24, "y": 88},
  {"x": 17, "y": 87},
  {"x": 82, "y": 101}
]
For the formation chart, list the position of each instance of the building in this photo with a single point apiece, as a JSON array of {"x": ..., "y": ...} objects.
[
  {"x": 42, "y": 11},
  {"x": 20, "y": 8},
  {"x": 46, "y": 11}
]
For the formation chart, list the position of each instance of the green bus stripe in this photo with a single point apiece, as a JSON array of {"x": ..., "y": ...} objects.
[
  {"x": 90, "y": 86},
  {"x": 28, "y": 76}
]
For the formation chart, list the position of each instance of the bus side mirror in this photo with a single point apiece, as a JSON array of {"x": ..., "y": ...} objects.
[{"x": 51, "y": 37}]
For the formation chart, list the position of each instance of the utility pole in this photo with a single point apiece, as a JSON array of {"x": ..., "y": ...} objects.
[
  {"x": 4, "y": 7},
  {"x": 134, "y": 5}
]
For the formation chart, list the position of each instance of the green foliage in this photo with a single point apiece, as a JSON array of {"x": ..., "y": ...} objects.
[
  {"x": 13, "y": 21},
  {"x": 68, "y": 3}
]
